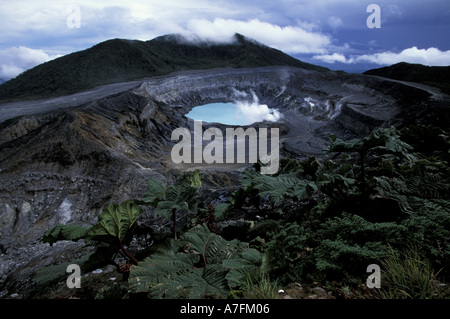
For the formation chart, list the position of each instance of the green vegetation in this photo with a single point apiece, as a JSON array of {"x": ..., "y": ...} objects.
[
  {"x": 120, "y": 60},
  {"x": 408, "y": 275},
  {"x": 343, "y": 216},
  {"x": 200, "y": 265},
  {"x": 112, "y": 228},
  {"x": 168, "y": 200},
  {"x": 108, "y": 236},
  {"x": 263, "y": 288},
  {"x": 382, "y": 199}
]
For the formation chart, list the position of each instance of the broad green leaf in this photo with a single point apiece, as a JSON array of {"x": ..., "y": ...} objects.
[
  {"x": 115, "y": 221},
  {"x": 165, "y": 208},
  {"x": 156, "y": 191},
  {"x": 173, "y": 193},
  {"x": 220, "y": 210},
  {"x": 64, "y": 232}
]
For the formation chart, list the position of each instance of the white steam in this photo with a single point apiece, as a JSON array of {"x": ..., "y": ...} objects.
[{"x": 253, "y": 111}]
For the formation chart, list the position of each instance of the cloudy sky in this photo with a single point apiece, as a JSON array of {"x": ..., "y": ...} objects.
[{"x": 337, "y": 34}]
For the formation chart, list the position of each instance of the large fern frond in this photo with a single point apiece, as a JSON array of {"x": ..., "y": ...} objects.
[{"x": 194, "y": 267}]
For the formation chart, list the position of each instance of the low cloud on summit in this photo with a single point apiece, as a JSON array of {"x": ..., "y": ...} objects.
[{"x": 290, "y": 39}]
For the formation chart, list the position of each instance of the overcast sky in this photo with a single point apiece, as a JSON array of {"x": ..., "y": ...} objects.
[{"x": 331, "y": 33}]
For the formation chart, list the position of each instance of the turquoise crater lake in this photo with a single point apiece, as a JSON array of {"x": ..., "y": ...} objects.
[{"x": 238, "y": 113}]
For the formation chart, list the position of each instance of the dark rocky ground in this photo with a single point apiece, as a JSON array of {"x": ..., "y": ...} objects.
[{"x": 63, "y": 159}]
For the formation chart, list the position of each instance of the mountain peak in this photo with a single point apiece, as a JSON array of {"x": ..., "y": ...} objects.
[{"x": 120, "y": 60}]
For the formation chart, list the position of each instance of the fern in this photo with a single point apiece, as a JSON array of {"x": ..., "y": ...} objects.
[
  {"x": 302, "y": 181},
  {"x": 393, "y": 194},
  {"x": 170, "y": 199},
  {"x": 284, "y": 185},
  {"x": 279, "y": 186},
  {"x": 382, "y": 141},
  {"x": 200, "y": 264},
  {"x": 416, "y": 193},
  {"x": 429, "y": 186},
  {"x": 249, "y": 264},
  {"x": 180, "y": 195}
]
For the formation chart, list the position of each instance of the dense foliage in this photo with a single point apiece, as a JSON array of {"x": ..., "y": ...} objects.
[
  {"x": 201, "y": 264},
  {"x": 370, "y": 201},
  {"x": 340, "y": 216}
]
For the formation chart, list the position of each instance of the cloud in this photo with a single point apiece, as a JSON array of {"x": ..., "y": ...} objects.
[
  {"x": 301, "y": 28},
  {"x": 290, "y": 39},
  {"x": 335, "y": 22},
  {"x": 331, "y": 58},
  {"x": 15, "y": 60},
  {"x": 430, "y": 57}
]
